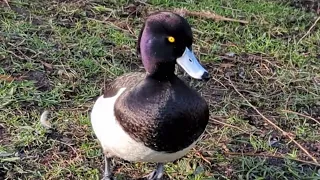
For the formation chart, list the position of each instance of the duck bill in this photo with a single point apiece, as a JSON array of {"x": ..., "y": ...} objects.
[{"x": 191, "y": 65}]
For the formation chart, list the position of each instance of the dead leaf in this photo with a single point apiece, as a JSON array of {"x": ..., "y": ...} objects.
[
  {"x": 226, "y": 65},
  {"x": 7, "y": 78},
  {"x": 47, "y": 65}
]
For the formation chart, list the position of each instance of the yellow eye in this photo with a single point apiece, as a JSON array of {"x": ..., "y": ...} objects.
[{"x": 171, "y": 39}]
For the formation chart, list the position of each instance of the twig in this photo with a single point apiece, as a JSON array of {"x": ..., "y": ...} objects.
[
  {"x": 7, "y": 3},
  {"x": 208, "y": 15},
  {"x": 229, "y": 125},
  {"x": 70, "y": 145},
  {"x": 127, "y": 23},
  {"x": 303, "y": 115},
  {"x": 308, "y": 32},
  {"x": 113, "y": 25},
  {"x": 15, "y": 55},
  {"x": 201, "y": 156},
  {"x": 274, "y": 125},
  {"x": 271, "y": 156},
  {"x": 219, "y": 82}
]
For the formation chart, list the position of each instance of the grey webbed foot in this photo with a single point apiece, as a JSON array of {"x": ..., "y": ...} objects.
[
  {"x": 108, "y": 178},
  {"x": 157, "y": 173}
]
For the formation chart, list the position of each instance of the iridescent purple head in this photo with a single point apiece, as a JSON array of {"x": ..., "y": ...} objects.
[{"x": 166, "y": 39}]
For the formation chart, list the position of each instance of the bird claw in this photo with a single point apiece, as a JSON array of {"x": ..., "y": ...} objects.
[
  {"x": 156, "y": 174},
  {"x": 108, "y": 177},
  {"x": 152, "y": 175}
]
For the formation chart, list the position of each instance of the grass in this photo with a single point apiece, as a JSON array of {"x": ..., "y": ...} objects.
[{"x": 56, "y": 54}]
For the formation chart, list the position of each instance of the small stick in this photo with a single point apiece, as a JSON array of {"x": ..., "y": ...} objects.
[
  {"x": 113, "y": 25},
  {"x": 7, "y": 3},
  {"x": 201, "y": 156},
  {"x": 208, "y": 15},
  {"x": 303, "y": 115},
  {"x": 271, "y": 156},
  {"x": 274, "y": 125},
  {"x": 308, "y": 32},
  {"x": 229, "y": 125}
]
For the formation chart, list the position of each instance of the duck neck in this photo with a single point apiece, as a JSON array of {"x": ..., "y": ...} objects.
[{"x": 162, "y": 71}]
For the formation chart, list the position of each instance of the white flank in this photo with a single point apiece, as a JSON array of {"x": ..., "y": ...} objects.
[{"x": 117, "y": 142}]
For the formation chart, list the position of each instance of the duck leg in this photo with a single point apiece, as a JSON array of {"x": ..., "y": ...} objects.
[
  {"x": 107, "y": 175},
  {"x": 157, "y": 173}
]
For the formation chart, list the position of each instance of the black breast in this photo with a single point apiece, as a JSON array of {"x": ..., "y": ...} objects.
[{"x": 167, "y": 116}]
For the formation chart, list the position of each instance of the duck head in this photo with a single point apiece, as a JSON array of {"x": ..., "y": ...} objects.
[{"x": 165, "y": 40}]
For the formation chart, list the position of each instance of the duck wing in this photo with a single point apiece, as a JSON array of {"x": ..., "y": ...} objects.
[{"x": 127, "y": 81}]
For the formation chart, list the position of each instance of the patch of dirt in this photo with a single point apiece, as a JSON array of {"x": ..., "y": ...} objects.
[
  {"x": 40, "y": 78},
  {"x": 256, "y": 78},
  {"x": 4, "y": 136},
  {"x": 274, "y": 161},
  {"x": 128, "y": 58},
  {"x": 135, "y": 8},
  {"x": 4, "y": 141},
  {"x": 241, "y": 143},
  {"x": 313, "y": 148},
  {"x": 20, "y": 11},
  {"x": 60, "y": 153},
  {"x": 312, "y": 110},
  {"x": 26, "y": 159},
  {"x": 5, "y": 168},
  {"x": 61, "y": 148},
  {"x": 308, "y": 5},
  {"x": 251, "y": 74}
]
